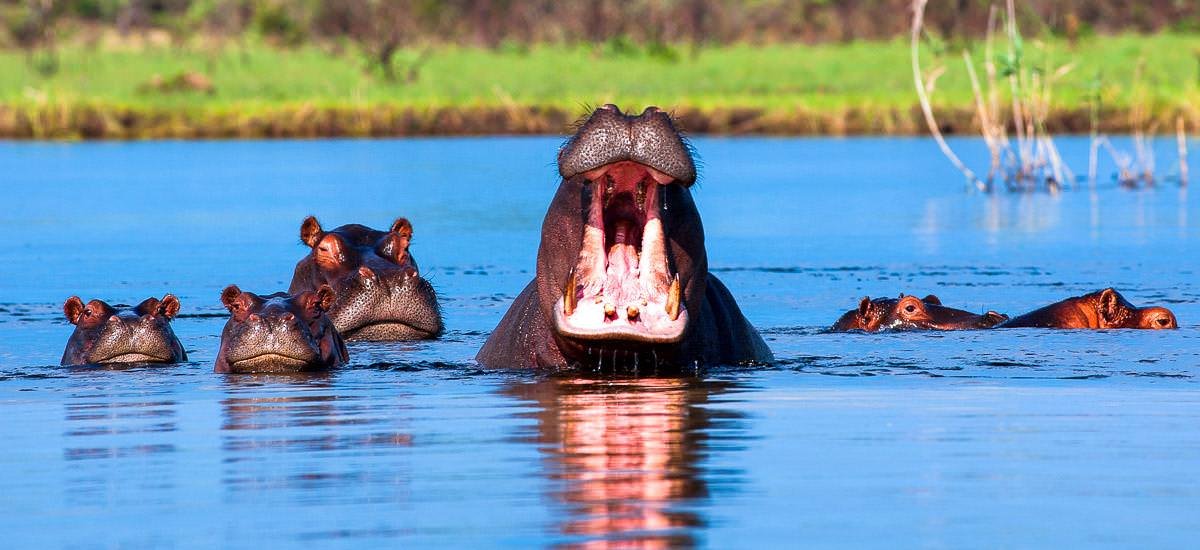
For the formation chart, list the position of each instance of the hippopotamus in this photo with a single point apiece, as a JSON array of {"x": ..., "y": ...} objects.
[
  {"x": 1098, "y": 310},
  {"x": 622, "y": 273},
  {"x": 122, "y": 334},
  {"x": 380, "y": 293},
  {"x": 279, "y": 332},
  {"x": 911, "y": 313}
]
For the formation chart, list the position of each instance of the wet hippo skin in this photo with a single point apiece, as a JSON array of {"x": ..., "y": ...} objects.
[
  {"x": 912, "y": 313},
  {"x": 122, "y": 334},
  {"x": 380, "y": 292},
  {"x": 1103, "y": 309},
  {"x": 279, "y": 333},
  {"x": 622, "y": 275}
]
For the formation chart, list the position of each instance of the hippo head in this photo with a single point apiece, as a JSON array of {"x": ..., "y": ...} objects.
[
  {"x": 380, "y": 294},
  {"x": 912, "y": 313},
  {"x": 279, "y": 332},
  {"x": 1115, "y": 311},
  {"x": 622, "y": 262},
  {"x": 122, "y": 334}
]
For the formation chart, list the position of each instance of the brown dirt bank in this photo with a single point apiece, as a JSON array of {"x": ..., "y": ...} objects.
[{"x": 70, "y": 122}]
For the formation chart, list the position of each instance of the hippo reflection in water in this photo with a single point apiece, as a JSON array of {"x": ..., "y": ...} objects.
[
  {"x": 1104, "y": 309},
  {"x": 380, "y": 293},
  {"x": 122, "y": 334},
  {"x": 912, "y": 313},
  {"x": 279, "y": 332},
  {"x": 622, "y": 274}
]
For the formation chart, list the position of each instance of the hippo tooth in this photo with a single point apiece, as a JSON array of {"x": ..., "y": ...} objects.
[
  {"x": 632, "y": 312},
  {"x": 569, "y": 295},
  {"x": 653, "y": 274},
  {"x": 610, "y": 310},
  {"x": 673, "y": 299}
]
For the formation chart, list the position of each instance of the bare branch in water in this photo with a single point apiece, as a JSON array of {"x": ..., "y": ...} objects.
[{"x": 926, "y": 108}]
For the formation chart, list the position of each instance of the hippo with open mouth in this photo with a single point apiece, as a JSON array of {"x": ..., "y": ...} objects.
[
  {"x": 622, "y": 273},
  {"x": 912, "y": 313},
  {"x": 122, "y": 334},
  {"x": 279, "y": 333},
  {"x": 1104, "y": 309},
  {"x": 380, "y": 293}
]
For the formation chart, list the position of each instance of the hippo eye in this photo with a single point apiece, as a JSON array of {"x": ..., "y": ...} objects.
[
  {"x": 910, "y": 308},
  {"x": 1162, "y": 321}
]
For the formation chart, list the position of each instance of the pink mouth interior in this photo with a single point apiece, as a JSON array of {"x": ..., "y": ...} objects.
[{"x": 622, "y": 286}]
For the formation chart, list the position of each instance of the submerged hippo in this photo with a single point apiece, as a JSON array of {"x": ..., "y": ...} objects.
[
  {"x": 622, "y": 275},
  {"x": 380, "y": 294},
  {"x": 122, "y": 334},
  {"x": 279, "y": 332},
  {"x": 912, "y": 313},
  {"x": 1102, "y": 309}
]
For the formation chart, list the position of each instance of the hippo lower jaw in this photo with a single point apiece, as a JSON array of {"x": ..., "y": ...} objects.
[
  {"x": 135, "y": 357},
  {"x": 388, "y": 331},
  {"x": 623, "y": 286},
  {"x": 272, "y": 362}
]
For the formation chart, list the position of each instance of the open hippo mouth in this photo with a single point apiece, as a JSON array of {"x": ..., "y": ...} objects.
[{"x": 624, "y": 285}]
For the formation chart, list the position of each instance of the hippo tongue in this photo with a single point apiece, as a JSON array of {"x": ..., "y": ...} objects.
[{"x": 621, "y": 281}]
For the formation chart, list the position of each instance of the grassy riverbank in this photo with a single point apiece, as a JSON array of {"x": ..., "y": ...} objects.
[{"x": 107, "y": 91}]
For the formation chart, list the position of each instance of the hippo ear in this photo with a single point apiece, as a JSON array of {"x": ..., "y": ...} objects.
[
  {"x": 1109, "y": 305},
  {"x": 169, "y": 306},
  {"x": 324, "y": 298},
  {"x": 933, "y": 300},
  {"x": 73, "y": 309},
  {"x": 149, "y": 306},
  {"x": 403, "y": 228},
  {"x": 231, "y": 298},
  {"x": 864, "y": 307},
  {"x": 310, "y": 231}
]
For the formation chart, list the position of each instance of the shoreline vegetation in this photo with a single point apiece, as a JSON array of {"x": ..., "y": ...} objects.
[{"x": 151, "y": 89}]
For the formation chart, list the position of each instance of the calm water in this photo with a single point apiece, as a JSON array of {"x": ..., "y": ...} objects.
[{"x": 1003, "y": 438}]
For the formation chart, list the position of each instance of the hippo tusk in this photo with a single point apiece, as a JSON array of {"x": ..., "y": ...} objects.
[
  {"x": 673, "y": 299},
  {"x": 569, "y": 297}
]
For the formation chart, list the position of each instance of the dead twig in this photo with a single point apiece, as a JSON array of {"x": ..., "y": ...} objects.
[{"x": 923, "y": 96}]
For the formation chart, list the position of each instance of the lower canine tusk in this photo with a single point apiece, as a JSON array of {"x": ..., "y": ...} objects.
[
  {"x": 673, "y": 299},
  {"x": 569, "y": 294}
]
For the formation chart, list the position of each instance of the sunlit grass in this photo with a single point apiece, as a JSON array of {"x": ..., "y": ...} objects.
[{"x": 869, "y": 77}]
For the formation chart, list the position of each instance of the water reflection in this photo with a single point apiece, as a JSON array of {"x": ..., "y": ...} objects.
[
  {"x": 117, "y": 443},
  {"x": 627, "y": 457},
  {"x": 314, "y": 424}
]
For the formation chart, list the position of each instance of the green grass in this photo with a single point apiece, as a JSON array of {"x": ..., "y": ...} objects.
[{"x": 778, "y": 79}]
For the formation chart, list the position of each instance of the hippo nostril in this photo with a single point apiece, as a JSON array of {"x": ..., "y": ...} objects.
[
  {"x": 410, "y": 271},
  {"x": 114, "y": 319},
  {"x": 366, "y": 272},
  {"x": 611, "y": 107},
  {"x": 651, "y": 110},
  {"x": 288, "y": 317},
  {"x": 254, "y": 318}
]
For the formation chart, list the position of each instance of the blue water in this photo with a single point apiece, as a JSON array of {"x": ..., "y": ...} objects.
[{"x": 1011, "y": 438}]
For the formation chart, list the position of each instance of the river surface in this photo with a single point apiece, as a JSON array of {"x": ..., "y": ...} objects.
[{"x": 1006, "y": 438}]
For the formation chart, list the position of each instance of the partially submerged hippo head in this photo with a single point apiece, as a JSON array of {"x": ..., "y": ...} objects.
[
  {"x": 279, "y": 332},
  {"x": 122, "y": 334},
  {"x": 912, "y": 313},
  {"x": 380, "y": 293},
  {"x": 1104, "y": 309},
  {"x": 622, "y": 272}
]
